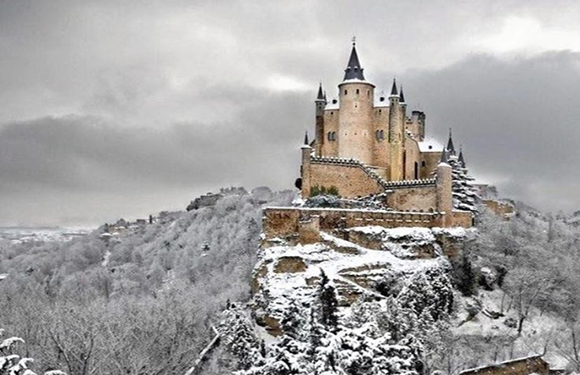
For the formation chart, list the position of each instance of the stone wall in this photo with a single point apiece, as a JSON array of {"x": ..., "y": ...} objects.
[
  {"x": 286, "y": 222},
  {"x": 523, "y": 366},
  {"x": 420, "y": 198},
  {"x": 430, "y": 161},
  {"x": 503, "y": 209},
  {"x": 350, "y": 179}
]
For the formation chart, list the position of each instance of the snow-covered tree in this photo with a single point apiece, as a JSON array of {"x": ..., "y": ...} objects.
[
  {"x": 464, "y": 193},
  {"x": 12, "y": 363}
]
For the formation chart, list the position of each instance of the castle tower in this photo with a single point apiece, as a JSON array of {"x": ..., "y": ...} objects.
[
  {"x": 319, "y": 104},
  {"x": 444, "y": 188},
  {"x": 396, "y": 135},
  {"x": 355, "y": 125}
]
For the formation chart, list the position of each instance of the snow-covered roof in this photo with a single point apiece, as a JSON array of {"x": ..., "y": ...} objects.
[
  {"x": 378, "y": 103},
  {"x": 332, "y": 105},
  {"x": 356, "y": 80},
  {"x": 430, "y": 145}
]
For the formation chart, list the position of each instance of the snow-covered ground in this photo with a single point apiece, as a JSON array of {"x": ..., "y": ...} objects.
[{"x": 42, "y": 234}]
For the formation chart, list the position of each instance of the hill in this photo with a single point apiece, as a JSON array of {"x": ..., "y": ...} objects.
[{"x": 369, "y": 301}]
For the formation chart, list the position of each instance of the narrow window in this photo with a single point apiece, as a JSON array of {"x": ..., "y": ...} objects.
[
  {"x": 329, "y": 136},
  {"x": 416, "y": 171},
  {"x": 345, "y": 92},
  {"x": 423, "y": 164},
  {"x": 357, "y": 91}
]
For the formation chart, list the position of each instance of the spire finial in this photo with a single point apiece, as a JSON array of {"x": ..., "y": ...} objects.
[
  {"x": 354, "y": 40},
  {"x": 353, "y": 68}
]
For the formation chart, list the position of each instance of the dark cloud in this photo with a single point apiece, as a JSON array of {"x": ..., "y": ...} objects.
[{"x": 122, "y": 108}]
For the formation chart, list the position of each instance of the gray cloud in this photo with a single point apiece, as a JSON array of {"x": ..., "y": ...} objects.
[{"x": 123, "y": 108}]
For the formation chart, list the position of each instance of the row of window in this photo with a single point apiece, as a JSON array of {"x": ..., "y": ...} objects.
[
  {"x": 358, "y": 92},
  {"x": 379, "y": 135}
]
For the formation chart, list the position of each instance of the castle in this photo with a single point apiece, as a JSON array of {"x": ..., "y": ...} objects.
[{"x": 367, "y": 145}]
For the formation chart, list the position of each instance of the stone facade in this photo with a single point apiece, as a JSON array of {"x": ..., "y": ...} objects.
[
  {"x": 373, "y": 129},
  {"x": 367, "y": 145},
  {"x": 303, "y": 225},
  {"x": 522, "y": 366}
]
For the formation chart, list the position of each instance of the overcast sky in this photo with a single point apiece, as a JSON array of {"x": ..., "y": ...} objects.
[{"x": 115, "y": 109}]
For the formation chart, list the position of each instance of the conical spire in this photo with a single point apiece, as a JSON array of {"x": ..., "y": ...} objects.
[
  {"x": 450, "y": 146},
  {"x": 461, "y": 159},
  {"x": 394, "y": 88},
  {"x": 353, "y": 69},
  {"x": 444, "y": 156},
  {"x": 320, "y": 95},
  {"x": 402, "y": 100},
  {"x": 306, "y": 138}
]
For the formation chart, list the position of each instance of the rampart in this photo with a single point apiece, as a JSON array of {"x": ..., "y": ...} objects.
[
  {"x": 522, "y": 366},
  {"x": 304, "y": 222}
]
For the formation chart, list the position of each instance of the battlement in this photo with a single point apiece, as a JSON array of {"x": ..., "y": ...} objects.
[{"x": 306, "y": 222}]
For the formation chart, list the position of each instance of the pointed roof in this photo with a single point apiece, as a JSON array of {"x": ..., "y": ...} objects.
[
  {"x": 306, "y": 138},
  {"x": 402, "y": 100},
  {"x": 461, "y": 159},
  {"x": 320, "y": 95},
  {"x": 353, "y": 69},
  {"x": 450, "y": 146},
  {"x": 394, "y": 88},
  {"x": 444, "y": 156}
]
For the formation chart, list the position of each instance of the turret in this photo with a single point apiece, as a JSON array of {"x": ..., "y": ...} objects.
[
  {"x": 305, "y": 168},
  {"x": 319, "y": 103},
  {"x": 396, "y": 135},
  {"x": 450, "y": 147},
  {"x": 355, "y": 124},
  {"x": 461, "y": 159},
  {"x": 444, "y": 187}
]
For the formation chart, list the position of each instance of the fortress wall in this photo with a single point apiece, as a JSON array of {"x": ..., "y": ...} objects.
[
  {"x": 431, "y": 160},
  {"x": 523, "y": 366},
  {"x": 412, "y": 158},
  {"x": 413, "y": 198},
  {"x": 285, "y": 221},
  {"x": 462, "y": 219},
  {"x": 350, "y": 180},
  {"x": 381, "y": 147},
  {"x": 330, "y": 148}
]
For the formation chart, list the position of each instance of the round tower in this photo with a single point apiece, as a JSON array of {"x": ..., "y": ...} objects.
[{"x": 355, "y": 125}]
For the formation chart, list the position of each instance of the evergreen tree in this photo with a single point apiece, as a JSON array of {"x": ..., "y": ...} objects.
[
  {"x": 328, "y": 303},
  {"x": 465, "y": 195}
]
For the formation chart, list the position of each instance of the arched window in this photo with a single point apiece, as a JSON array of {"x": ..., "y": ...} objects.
[{"x": 382, "y": 134}]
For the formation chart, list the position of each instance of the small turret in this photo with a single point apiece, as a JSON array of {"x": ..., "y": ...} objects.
[
  {"x": 402, "y": 96},
  {"x": 444, "y": 156},
  {"x": 461, "y": 159},
  {"x": 353, "y": 69},
  {"x": 450, "y": 147}
]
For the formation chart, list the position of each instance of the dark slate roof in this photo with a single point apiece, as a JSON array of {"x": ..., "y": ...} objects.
[
  {"x": 461, "y": 159},
  {"x": 450, "y": 146},
  {"x": 353, "y": 69},
  {"x": 306, "y": 138},
  {"x": 394, "y": 88},
  {"x": 444, "y": 156},
  {"x": 402, "y": 96},
  {"x": 320, "y": 95}
]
